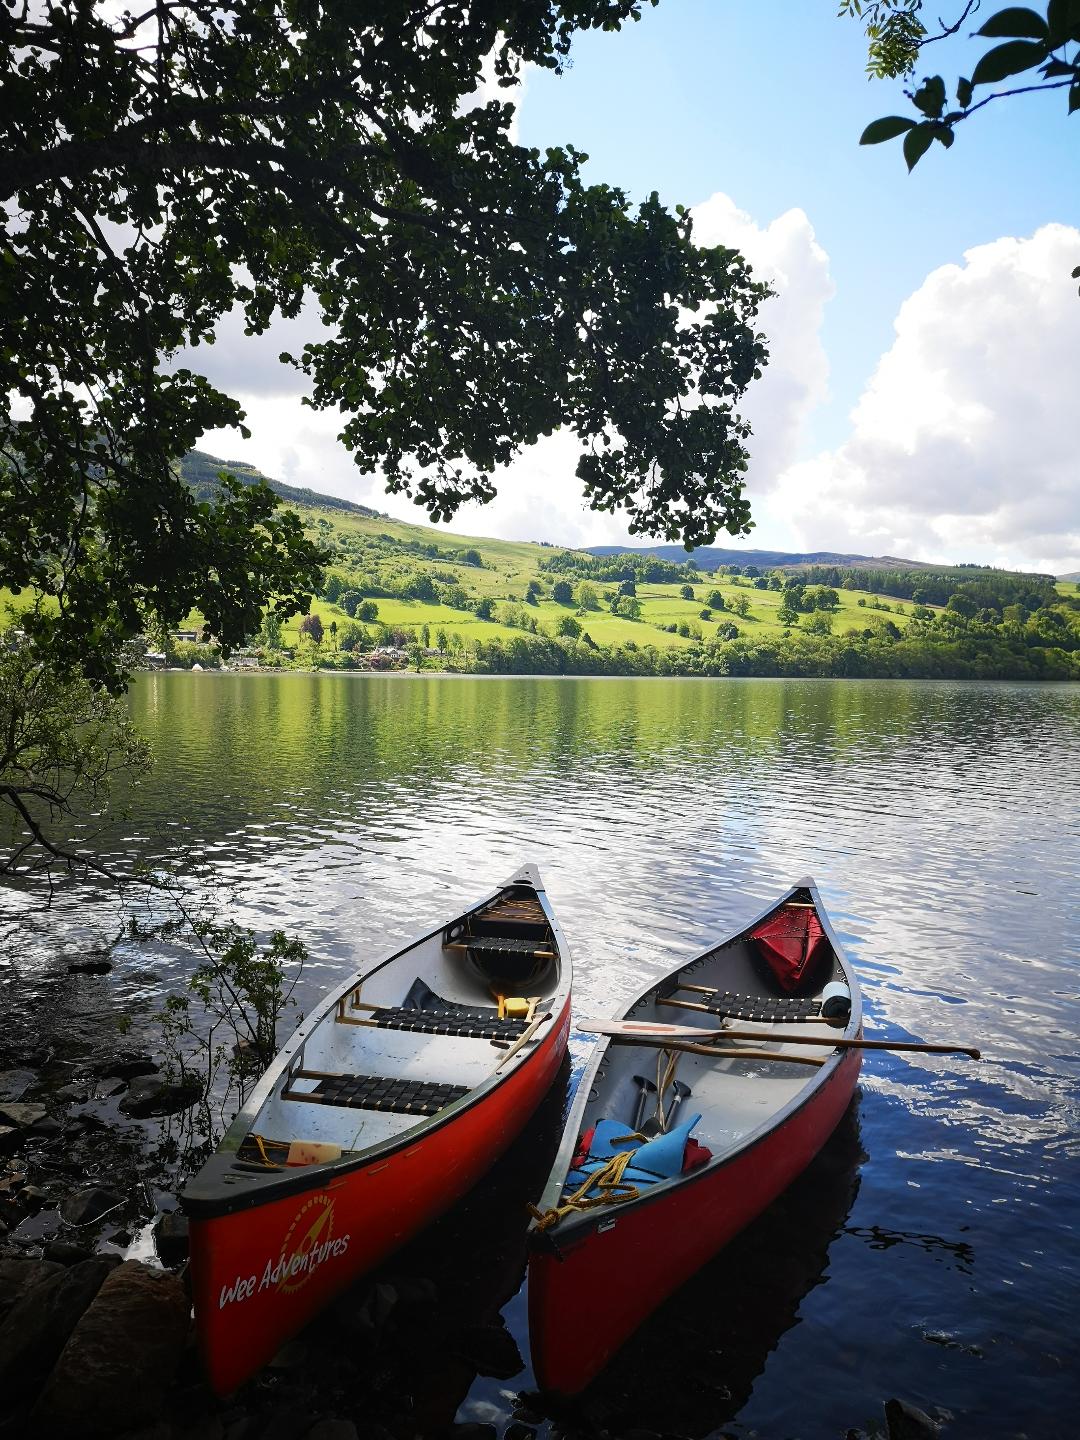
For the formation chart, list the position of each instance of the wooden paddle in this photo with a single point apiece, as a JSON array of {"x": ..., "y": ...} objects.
[
  {"x": 661, "y": 1034},
  {"x": 523, "y": 1039}
]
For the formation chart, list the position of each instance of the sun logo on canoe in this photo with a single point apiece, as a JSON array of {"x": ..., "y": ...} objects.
[{"x": 308, "y": 1241}]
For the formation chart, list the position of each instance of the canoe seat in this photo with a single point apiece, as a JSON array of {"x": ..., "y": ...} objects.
[
  {"x": 375, "y": 1092},
  {"x": 501, "y": 945},
  {"x": 785, "y": 1008},
  {"x": 765, "y": 1007},
  {"x": 425, "y": 1013},
  {"x": 469, "y": 1024}
]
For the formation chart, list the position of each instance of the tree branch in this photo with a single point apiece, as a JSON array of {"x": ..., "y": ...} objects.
[
  {"x": 1020, "y": 90},
  {"x": 72, "y": 859}
]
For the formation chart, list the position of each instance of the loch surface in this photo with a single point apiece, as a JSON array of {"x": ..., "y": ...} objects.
[{"x": 933, "y": 1253}]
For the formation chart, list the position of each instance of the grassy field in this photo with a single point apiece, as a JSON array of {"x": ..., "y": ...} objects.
[
  {"x": 374, "y": 545},
  {"x": 361, "y": 544},
  {"x": 509, "y": 566}
]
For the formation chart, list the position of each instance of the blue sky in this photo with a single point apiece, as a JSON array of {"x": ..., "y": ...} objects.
[
  {"x": 920, "y": 398},
  {"x": 765, "y": 100}
]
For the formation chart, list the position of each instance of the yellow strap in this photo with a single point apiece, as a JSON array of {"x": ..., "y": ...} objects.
[
  {"x": 261, "y": 1146},
  {"x": 608, "y": 1180}
]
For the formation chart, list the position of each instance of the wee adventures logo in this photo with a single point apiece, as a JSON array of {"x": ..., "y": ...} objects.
[{"x": 309, "y": 1243}]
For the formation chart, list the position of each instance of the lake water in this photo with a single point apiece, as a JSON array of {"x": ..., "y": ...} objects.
[{"x": 933, "y": 1254}]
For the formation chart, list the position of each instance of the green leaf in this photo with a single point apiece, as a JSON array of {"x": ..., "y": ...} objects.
[
  {"x": 1057, "y": 70},
  {"x": 1008, "y": 59},
  {"x": 1074, "y": 98},
  {"x": 944, "y": 133},
  {"x": 1063, "y": 20},
  {"x": 916, "y": 144},
  {"x": 885, "y": 129},
  {"x": 1015, "y": 20},
  {"x": 930, "y": 97},
  {"x": 963, "y": 93}
]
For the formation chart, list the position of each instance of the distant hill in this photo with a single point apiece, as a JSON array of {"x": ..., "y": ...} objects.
[
  {"x": 711, "y": 557},
  {"x": 1075, "y": 576},
  {"x": 200, "y": 471}
]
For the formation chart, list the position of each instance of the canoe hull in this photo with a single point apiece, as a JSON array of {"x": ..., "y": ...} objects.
[
  {"x": 587, "y": 1297},
  {"x": 260, "y": 1273}
]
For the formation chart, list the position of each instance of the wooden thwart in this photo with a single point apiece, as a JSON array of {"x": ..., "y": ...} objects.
[
  {"x": 689, "y": 1004},
  {"x": 722, "y": 1053}
]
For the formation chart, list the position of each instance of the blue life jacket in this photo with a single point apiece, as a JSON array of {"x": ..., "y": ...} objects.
[{"x": 654, "y": 1160}]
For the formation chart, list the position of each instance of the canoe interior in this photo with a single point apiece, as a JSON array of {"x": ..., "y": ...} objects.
[
  {"x": 388, "y": 1052},
  {"x": 736, "y": 1097}
]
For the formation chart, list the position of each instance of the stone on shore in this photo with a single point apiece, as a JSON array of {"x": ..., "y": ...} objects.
[
  {"x": 83, "y": 1207},
  {"x": 21, "y": 1115},
  {"x": 14, "y": 1084},
  {"x": 39, "y": 1324},
  {"x": 64, "y": 1253},
  {"x": 908, "y": 1422},
  {"x": 152, "y": 1095},
  {"x": 491, "y": 1349},
  {"x": 171, "y": 1237},
  {"x": 19, "y": 1273},
  {"x": 126, "y": 1067},
  {"x": 332, "y": 1429},
  {"x": 121, "y": 1358}
]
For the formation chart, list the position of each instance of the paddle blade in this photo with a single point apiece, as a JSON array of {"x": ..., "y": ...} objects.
[{"x": 644, "y": 1027}]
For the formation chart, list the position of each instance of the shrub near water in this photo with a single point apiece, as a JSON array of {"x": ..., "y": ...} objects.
[{"x": 243, "y": 992}]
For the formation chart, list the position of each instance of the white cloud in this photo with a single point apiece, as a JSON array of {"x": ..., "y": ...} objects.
[
  {"x": 785, "y": 253},
  {"x": 248, "y": 365},
  {"x": 963, "y": 444}
]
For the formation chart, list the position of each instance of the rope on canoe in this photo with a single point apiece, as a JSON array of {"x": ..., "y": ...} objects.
[
  {"x": 260, "y": 1145},
  {"x": 613, "y": 1190},
  {"x": 665, "y": 1074}
]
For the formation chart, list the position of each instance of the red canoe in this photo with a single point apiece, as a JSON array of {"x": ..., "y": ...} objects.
[
  {"x": 669, "y": 1152},
  {"x": 389, "y": 1102}
]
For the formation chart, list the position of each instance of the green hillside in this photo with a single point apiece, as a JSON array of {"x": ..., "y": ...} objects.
[
  {"x": 202, "y": 473},
  {"x": 446, "y": 601},
  {"x": 419, "y": 576},
  {"x": 472, "y": 602}
]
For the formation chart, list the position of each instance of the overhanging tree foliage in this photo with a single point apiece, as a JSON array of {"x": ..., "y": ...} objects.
[
  {"x": 166, "y": 167},
  {"x": 1036, "y": 51},
  {"x": 64, "y": 744}
]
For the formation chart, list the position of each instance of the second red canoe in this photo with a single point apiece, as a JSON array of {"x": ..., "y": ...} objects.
[{"x": 672, "y": 1148}]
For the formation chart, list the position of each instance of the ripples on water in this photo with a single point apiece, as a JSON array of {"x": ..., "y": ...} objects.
[{"x": 940, "y": 821}]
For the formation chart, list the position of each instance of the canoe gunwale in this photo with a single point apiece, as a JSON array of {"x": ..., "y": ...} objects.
[
  {"x": 209, "y": 1194},
  {"x": 575, "y": 1227}
]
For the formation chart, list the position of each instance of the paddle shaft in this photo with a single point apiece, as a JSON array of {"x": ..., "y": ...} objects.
[
  {"x": 684, "y": 1047},
  {"x": 523, "y": 1039},
  {"x": 660, "y": 1034}
]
